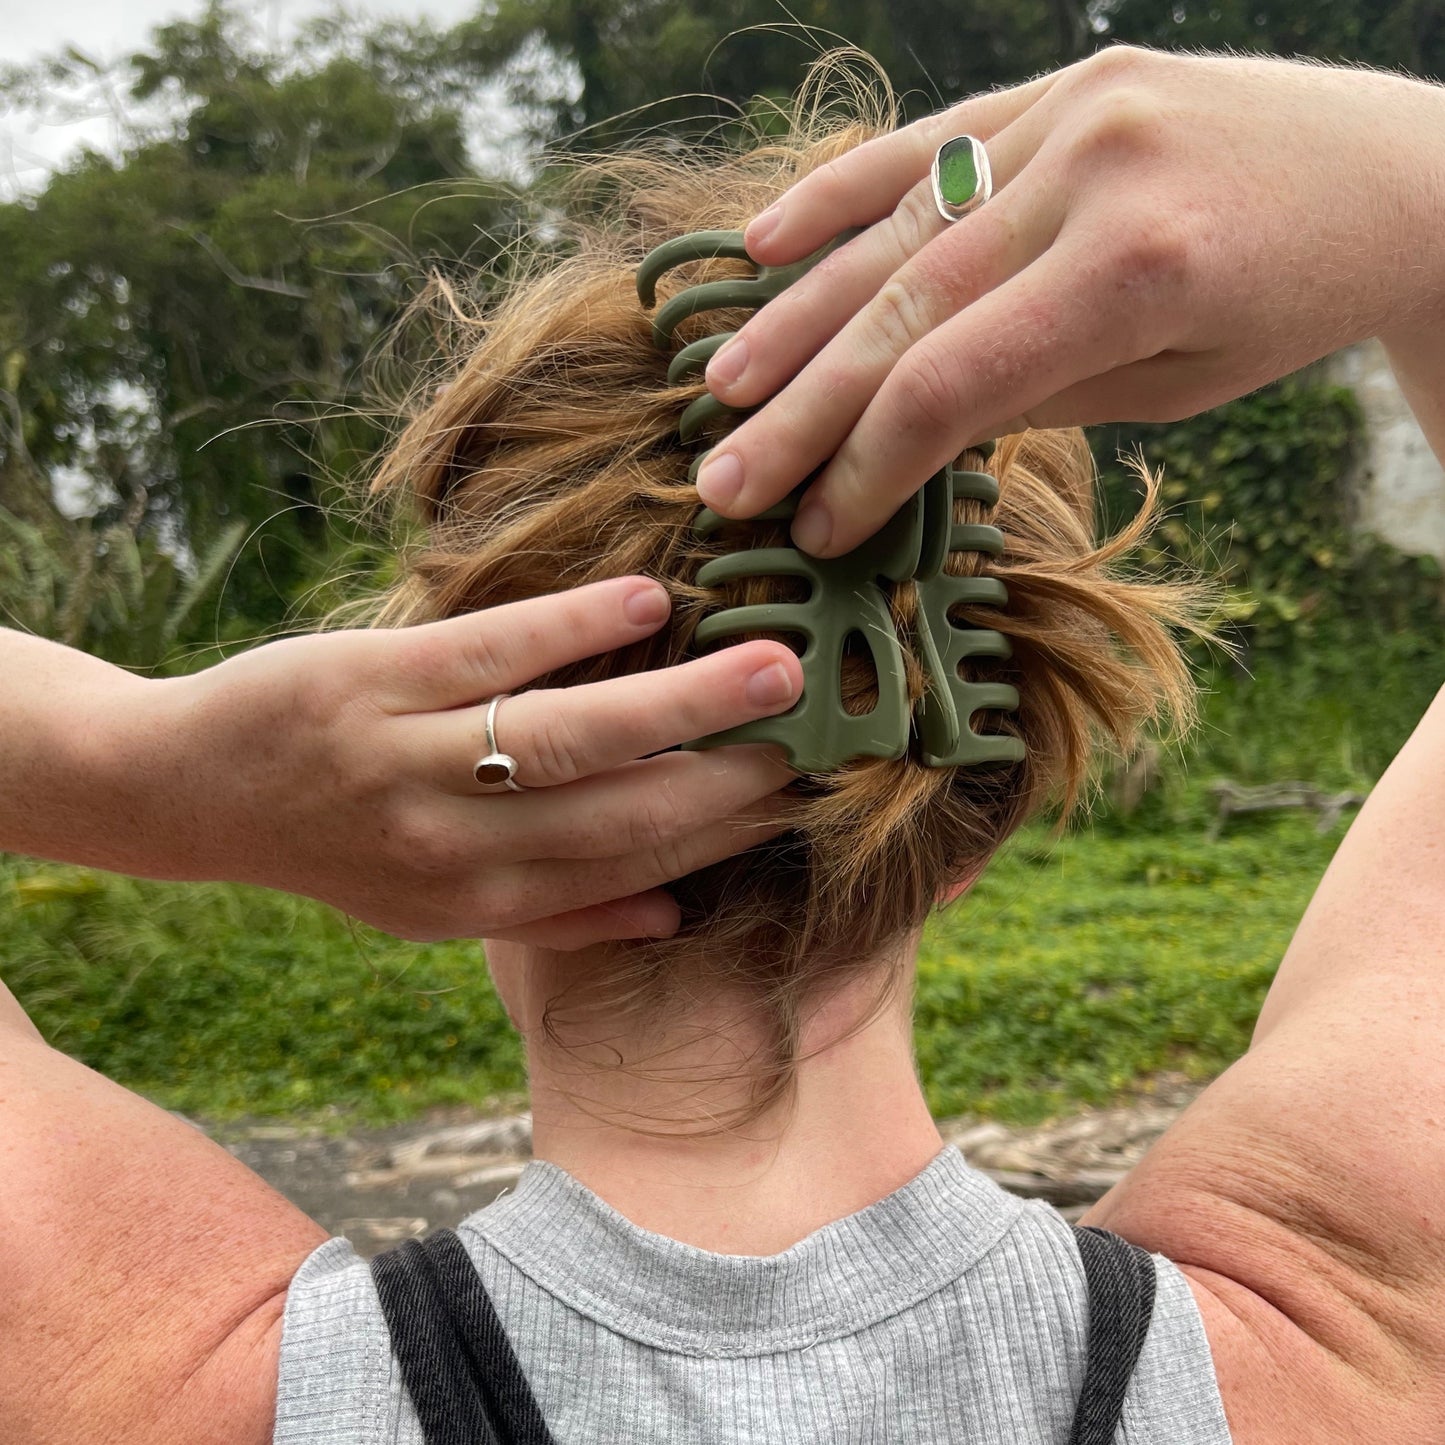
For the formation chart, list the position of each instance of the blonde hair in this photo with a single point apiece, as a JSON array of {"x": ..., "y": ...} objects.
[{"x": 551, "y": 459}]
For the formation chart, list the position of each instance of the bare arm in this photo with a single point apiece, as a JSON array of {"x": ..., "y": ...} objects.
[
  {"x": 1302, "y": 1191},
  {"x": 69, "y": 726},
  {"x": 1418, "y": 359},
  {"x": 340, "y": 766},
  {"x": 143, "y": 1270}
]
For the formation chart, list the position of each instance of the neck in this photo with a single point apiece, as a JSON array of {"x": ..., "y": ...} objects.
[{"x": 853, "y": 1128}]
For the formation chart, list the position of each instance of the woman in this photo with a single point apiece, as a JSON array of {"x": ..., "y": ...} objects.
[{"x": 744, "y": 1227}]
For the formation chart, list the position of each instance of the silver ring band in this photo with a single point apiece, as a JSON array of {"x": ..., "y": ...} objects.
[
  {"x": 497, "y": 772},
  {"x": 962, "y": 178}
]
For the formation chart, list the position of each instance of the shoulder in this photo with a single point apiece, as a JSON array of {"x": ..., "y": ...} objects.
[
  {"x": 334, "y": 1360},
  {"x": 1302, "y": 1350},
  {"x": 1279, "y": 1386},
  {"x": 1173, "y": 1394},
  {"x": 143, "y": 1269}
]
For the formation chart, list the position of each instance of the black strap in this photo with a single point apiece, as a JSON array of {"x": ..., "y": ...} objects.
[
  {"x": 459, "y": 1368},
  {"x": 1121, "y": 1282},
  {"x": 468, "y": 1388}
]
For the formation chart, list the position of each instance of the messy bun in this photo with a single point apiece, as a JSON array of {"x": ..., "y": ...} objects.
[{"x": 551, "y": 458}]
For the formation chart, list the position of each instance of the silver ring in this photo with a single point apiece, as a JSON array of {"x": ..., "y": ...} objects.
[
  {"x": 962, "y": 178},
  {"x": 497, "y": 771}
]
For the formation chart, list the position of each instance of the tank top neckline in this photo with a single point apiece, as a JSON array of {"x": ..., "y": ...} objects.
[{"x": 845, "y": 1276}]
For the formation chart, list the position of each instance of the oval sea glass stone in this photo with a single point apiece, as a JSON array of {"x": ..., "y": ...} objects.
[{"x": 958, "y": 171}]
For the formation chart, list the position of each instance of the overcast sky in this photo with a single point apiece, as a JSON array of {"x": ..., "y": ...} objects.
[{"x": 105, "y": 29}]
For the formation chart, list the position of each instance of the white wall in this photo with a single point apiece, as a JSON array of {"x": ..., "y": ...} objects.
[{"x": 1399, "y": 485}]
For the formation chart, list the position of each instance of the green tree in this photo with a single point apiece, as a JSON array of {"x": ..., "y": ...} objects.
[
  {"x": 576, "y": 65},
  {"x": 111, "y": 589},
  {"x": 1401, "y": 34},
  {"x": 188, "y": 323}
]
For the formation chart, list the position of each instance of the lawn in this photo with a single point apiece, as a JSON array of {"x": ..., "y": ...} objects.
[{"x": 1075, "y": 971}]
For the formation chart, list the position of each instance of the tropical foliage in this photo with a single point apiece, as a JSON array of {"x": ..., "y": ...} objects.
[
  {"x": 193, "y": 337},
  {"x": 190, "y": 327}
]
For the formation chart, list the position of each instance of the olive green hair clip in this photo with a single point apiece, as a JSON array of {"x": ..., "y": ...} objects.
[{"x": 845, "y": 594}]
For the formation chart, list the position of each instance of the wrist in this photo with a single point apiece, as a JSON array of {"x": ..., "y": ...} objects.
[
  {"x": 62, "y": 768},
  {"x": 135, "y": 778},
  {"x": 1411, "y": 188},
  {"x": 109, "y": 800},
  {"x": 148, "y": 757}
]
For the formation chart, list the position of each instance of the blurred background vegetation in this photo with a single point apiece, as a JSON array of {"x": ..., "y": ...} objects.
[{"x": 192, "y": 329}]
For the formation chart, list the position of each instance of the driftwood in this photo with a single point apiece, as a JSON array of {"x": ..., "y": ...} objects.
[
  {"x": 1233, "y": 798},
  {"x": 1070, "y": 1162},
  {"x": 381, "y": 1186}
]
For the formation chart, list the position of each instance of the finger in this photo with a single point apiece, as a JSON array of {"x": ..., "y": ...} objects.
[
  {"x": 645, "y": 915},
  {"x": 630, "y": 809},
  {"x": 526, "y": 892},
  {"x": 1059, "y": 322},
  {"x": 558, "y": 735},
  {"x": 806, "y": 424},
  {"x": 865, "y": 184},
  {"x": 1160, "y": 388},
  {"x": 771, "y": 348},
  {"x": 464, "y": 659}
]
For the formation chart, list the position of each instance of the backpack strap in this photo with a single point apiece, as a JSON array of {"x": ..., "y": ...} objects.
[
  {"x": 468, "y": 1388},
  {"x": 459, "y": 1369},
  {"x": 1121, "y": 1280}
]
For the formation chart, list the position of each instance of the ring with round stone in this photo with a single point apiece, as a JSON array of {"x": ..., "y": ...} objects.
[
  {"x": 497, "y": 772},
  {"x": 962, "y": 178}
]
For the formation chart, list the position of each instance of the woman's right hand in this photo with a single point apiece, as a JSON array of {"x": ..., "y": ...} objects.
[
  {"x": 339, "y": 765},
  {"x": 1167, "y": 232}
]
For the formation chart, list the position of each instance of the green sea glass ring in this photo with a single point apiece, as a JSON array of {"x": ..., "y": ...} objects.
[{"x": 962, "y": 178}]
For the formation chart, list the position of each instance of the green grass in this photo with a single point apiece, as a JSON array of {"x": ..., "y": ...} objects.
[{"x": 1073, "y": 972}]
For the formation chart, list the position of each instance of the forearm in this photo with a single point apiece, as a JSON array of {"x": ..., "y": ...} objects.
[
  {"x": 1414, "y": 335},
  {"x": 1418, "y": 360},
  {"x": 70, "y": 728},
  {"x": 1301, "y": 1190},
  {"x": 1373, "y": 928}
]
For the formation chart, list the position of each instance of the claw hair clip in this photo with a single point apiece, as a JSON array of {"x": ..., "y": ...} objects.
[{"x": 846, "y": 594}]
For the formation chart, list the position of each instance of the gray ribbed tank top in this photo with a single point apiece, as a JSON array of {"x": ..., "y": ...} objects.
[{"x": 948, "y": 1312}]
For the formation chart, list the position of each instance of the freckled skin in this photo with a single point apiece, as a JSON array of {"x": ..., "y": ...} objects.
[
  {"x": 1174, "y": 214},
  {"x": 143, "y": 1269}
]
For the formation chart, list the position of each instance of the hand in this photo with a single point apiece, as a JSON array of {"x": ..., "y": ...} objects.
[
  {"x": 1166, "y": 233},
  {"x": 340, "y": 766}
]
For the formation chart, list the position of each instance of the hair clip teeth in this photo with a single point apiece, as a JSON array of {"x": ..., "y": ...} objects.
[
  {"x": 701, "y": 414},
  {"x": 692, "y": 360},
  {"x": 846, "y": 597},
  {"x": 751, "y": 292},
  {"x": 945, "y": 714},
  {"x": 707, "y": 521}
]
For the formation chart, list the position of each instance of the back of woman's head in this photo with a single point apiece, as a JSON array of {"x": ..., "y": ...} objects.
[{"x": 551, "y": 458}]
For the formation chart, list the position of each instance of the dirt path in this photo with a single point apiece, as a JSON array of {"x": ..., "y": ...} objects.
[{"x": 379, "y": 1186}]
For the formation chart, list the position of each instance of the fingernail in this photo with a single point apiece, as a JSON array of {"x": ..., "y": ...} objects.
[
  {"x": 812, "y": 528},
  {"x": 663, "y": 920},
  {"x": 719, "y": 480},
  {"x": 727, "y": 367},
  {"x": 761, "y": 227},
  {"x": 647, "y": 606},
  {"x": 769, "y": 686}
]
